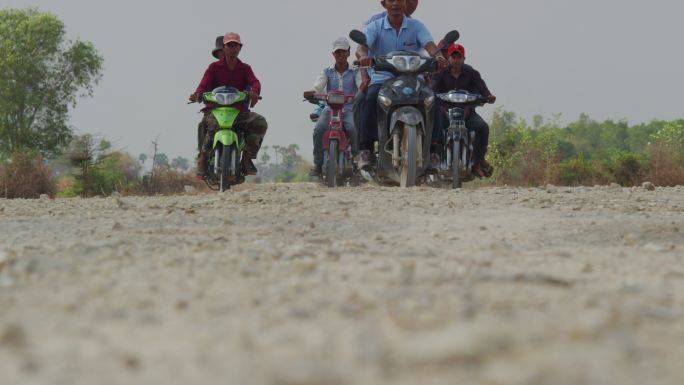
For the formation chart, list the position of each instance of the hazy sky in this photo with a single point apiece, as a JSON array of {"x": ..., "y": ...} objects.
[{"x": 617, "y": 59}]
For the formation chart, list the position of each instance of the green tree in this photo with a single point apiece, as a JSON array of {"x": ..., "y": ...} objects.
[
  {"x": 180, "y": 163},
  {"x": 277, "y": 150},
  {"x": 99, "y": 170},
  {"x": 671, "y": 136},
  {"x": 161, "y": 160},
  {"x": 265, "y": 158},
  {"x": 291, "y": 159},
  {"x": 43, "y": 74}
]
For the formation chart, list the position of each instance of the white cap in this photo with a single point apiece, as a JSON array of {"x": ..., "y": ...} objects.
[{"x": 341, "y": 43}]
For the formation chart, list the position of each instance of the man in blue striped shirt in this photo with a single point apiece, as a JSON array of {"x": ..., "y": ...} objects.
[{"x": 395, "y": 32}]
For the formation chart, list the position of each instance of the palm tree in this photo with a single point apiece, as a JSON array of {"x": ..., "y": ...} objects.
[
  {"x": 276, "y": 148},
  {"x": 265, "y": 158}
]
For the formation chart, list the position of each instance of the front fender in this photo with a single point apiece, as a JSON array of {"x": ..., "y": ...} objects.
[
  {"x": 225, "y": 137},
  {"x": 225, "y": 116},
  {"x": 457, "y": 132},
  {"x": 408, "y": 115}
]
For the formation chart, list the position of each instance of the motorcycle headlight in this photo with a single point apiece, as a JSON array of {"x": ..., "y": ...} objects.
[
  {"x": 429, "y": 100},
  {"x": 407, "y": 63},
  {"x": 226, "y": 99},
  {"x": 335, "y": 99},
  {"x": 458, "y": 97},
  {"x": 384, "y": 100}
]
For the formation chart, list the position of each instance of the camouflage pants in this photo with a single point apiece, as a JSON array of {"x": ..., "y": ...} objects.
[{"x": 252, "y": 124}]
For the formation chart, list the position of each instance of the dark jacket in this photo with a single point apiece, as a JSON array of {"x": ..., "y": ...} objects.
[{"x": 469, "y": 80}]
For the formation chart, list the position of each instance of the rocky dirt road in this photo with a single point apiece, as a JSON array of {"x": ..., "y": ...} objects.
[{"x": 299, "y": 285}]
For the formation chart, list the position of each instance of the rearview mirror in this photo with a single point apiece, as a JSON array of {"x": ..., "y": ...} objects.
[
  {"x": 450, "y": 38},
  {"x": 359, "y": 37}
]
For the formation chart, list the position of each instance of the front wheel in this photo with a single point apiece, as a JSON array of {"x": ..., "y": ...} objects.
[
  {"x": 409, "y": 151},
  {"x": 227, "y": 157},
  {"x": 331, "y": 166},
  {"x": 456, "y": 164}
]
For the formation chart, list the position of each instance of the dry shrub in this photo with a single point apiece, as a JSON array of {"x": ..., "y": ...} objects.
[
  {"x": 665, "y": 167},
  {"x": 582, "y": 172},
  {"x": 169, "y": 181},
  {"x": 65, "y": 182},
  {"x": 528, "y": 167},
  {"x": 25, "y": 176}
]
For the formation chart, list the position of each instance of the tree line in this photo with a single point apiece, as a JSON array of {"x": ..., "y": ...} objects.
[
  {"x": 586, "y": 151},
  {"x": 44, "y": 75}
]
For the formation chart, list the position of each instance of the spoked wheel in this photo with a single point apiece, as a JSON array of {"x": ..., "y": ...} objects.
[
  {"x": 227, "y": 163},
  {"x": 409, "y": 149},
  {"x": 331, "y": 166},
  {"x": 456, "y": 164}
]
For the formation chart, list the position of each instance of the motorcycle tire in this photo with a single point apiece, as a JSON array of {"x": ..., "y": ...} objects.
[
  {"x": 331, "y": 166},
  {"x": 456, "y": 165},
  {"x": 227, "y": 154},
  {"x": 409, "y": 152},
  {"x": 237, "y": 166}
]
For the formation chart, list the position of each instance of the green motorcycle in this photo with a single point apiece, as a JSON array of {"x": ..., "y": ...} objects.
[{"x": 224, "y": 168}]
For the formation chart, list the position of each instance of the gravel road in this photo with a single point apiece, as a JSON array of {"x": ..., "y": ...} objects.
[{"x": 295, "y": 284}]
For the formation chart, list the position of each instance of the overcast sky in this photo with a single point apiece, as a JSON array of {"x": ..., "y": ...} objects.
[{"x": 617, "y": 59}]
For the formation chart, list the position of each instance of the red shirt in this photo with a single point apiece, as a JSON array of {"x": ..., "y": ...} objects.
[{"x": 218, "y": 74}]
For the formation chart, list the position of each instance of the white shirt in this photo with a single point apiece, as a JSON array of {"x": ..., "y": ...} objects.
[{"x": 321, "y": 83}]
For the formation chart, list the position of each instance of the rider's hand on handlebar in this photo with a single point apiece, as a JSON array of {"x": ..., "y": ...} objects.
[
  {"x": 309, "y": 94},
  {"x": 491, "y": 99},
  {"x": 365, "y": 61},
  {"x": 442, "y": 63},
  {"x": 253, "y": 98},
  {"x": 194, "y": 97}
]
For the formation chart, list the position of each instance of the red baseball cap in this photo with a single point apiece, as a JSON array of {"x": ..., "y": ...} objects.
[
  {"x": 232, "y": 37},
  {"x": 456, "y": 48}
]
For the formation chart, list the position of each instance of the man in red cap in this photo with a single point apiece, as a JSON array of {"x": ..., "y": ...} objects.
[
  {"x": 231, "y": 72},
  {"x": 461, "y": 76}
]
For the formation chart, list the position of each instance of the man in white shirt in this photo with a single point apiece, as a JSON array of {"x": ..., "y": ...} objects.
[{"x": 338, "y": 77}]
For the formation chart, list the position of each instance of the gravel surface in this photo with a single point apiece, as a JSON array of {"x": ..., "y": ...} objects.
[{"x": 300, "y": 285}]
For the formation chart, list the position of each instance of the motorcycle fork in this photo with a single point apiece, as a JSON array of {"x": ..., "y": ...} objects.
[
  {"x": 396, "y": 143},
  {"x": 457, "y": 132},
  {"x": 240, "y": 144},
  {"x": 397, "y": 137}
]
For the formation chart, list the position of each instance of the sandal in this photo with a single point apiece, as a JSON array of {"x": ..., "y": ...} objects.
[{"x": 483, "y": 169}]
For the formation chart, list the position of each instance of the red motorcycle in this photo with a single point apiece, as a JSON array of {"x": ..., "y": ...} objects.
[{"x": 338, "y": 166}]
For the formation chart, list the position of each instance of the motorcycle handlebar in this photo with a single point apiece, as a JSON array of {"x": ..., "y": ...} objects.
[
  {"x": 317, "y": 98},
  {"x": 201, "y": 101}
]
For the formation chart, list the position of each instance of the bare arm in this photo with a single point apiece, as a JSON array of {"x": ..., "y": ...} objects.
[
  {"x": 319, "y": 86},
  {"x": 432, "y": 49},
  {"x": 363, "y": 54},
  {"x": 434, "y": 52}
]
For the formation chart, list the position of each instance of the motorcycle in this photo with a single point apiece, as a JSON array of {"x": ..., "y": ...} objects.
[
  {"x": 405, "y": 114},
  {"x": 337, "y": 145},
  {"x": 459, "y": 142},
  {"x": 224, "y": 169}
]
